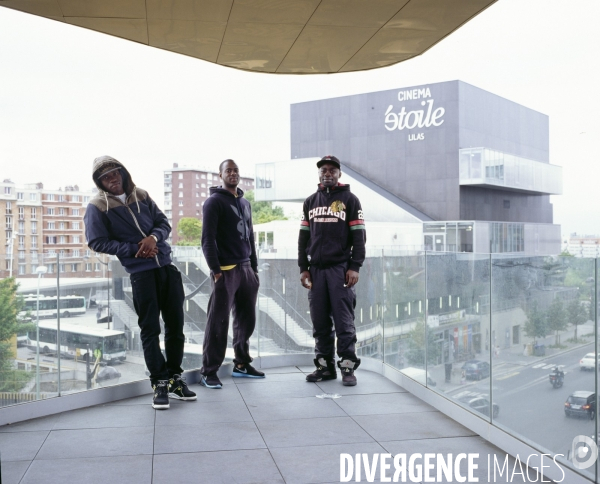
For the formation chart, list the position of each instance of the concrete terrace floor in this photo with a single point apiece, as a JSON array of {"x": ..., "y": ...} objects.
[{"x": 252, "y": 431}]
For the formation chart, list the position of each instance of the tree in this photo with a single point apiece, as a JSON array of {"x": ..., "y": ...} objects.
[
  {"x": 11, "y": 380},
  {"x": 557, "y": 318},
  {"x": 416, "y": 345},
  {"x": 190, "y": 231},
  {"x": 263, "y": 212},
  {"x": 577, "y": 314},
  {"x": 536, "y": 325}
]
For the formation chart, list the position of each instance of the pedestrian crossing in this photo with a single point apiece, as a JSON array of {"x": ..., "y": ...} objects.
[{"x": 544, "y": 366}]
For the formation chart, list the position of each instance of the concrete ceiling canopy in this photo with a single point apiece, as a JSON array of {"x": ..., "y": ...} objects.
[{"x": 273, "y": 36}]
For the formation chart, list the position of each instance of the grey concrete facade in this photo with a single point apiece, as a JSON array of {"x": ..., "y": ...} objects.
[{"x": 407, "y": 141}]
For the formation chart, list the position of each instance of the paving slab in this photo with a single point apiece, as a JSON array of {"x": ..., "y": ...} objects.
[
  {"x": 131, "y": 469},
  {"x": 224, "y": 467},
  {"x": 104, "y": 442},
  {"x": 318, "y": 463},
  {"x": 293, "y": 408},
  {"x": 21, "y": 445},
  {"x": 104, "y": 416},
  {"x": 13, "y": 471},
  {"x": 410, "y": 426},
  {"x": 308, "y": 432},
  {"x": 382, "y": 403},
  {"x": 198, "y": 413},
  {"x": 207, "y": 437},
  {"x": 279, "y": 389}
]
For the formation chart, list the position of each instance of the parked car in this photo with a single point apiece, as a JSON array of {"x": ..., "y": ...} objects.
[
  {"x": 588, "y": 362},
  {"x": 476, "y": 369},
  {"x": 482, "y": 405},
  {"x": 581, "y": 404}
]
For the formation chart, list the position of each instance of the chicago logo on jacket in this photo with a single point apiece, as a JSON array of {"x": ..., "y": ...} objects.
[{"x": 333, "y": 213}]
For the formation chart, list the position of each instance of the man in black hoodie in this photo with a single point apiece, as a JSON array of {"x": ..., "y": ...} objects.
[
  {"x": 331, "y": 250},
  {"x": 228, "y": 246},
  {"x": 123, "y": 220}
]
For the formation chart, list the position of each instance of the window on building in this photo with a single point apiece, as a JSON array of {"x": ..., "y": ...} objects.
[
  {"x": 61, "y": 198},
  {"x": 180, "y": 176},
  {"x": 22, "y": 254},
  {"x": 8, "y": 208},
  {"x": 76, "y": 253},
  {"x": 197, "y": 195},
  {"x": 33, "y": 212},
  {"x": 180, "y": 185},
  {"x": 61, "y": 211},
  {"x": 85, "y": 200},
  {"x": 34, "y": 227},
  {"x": 21, "y": 227},
  {"x": 8, "y": 225},
  {"x": 21, "y": 241},
  {"x": 203, "y": 194},
  {"x": 20, "y": 195},
  {"x": 50, "y": 197},
  {"x": 33, "y": 241},
  {"x": 62, "y": 267},
  {"x": 97, "y": 266},
  {"x": 62, "y": 253},
  {"x": 75, "y": 211},
  {"x": 203, "y": 185},
  {"x": 73, "y": 267},
  {"x": 7, "y": 190},
  {"x": 75, "y": 198},
  {"x": 61, "y": 225},
  {"x": 75, "y": 225},
  {"x": 21, "y": 213},
  {"x": 88, "y": 267},
  {"x": 51, "y": 226},
  {"x": 181, "y": 212},
  {"x": 180, "y": 194},
  {"x": 34, "y": 256},
  {"x": 180, "y": 203},
  {"x": 88, "y": 252},
  {"x": 197, "y": 204},
  {"x": 168, "y": 213},
  {"x": 63, "y": 239},
  {"x": 197, "y": 185},
  {"x": 51, "y": 239},
  {"x": 22, "y": 269},
  {"x": 76, "y": 239},
  {"x": 33, "y": 197},
  {"x": 50, "y": 211},
  {"x": 203, "y": 176}
]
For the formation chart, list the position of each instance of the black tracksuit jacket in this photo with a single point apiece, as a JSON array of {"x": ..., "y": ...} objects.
[{"x": 332, "y": 229}]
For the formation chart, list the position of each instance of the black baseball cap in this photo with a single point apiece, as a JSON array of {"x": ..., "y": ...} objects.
[{"x": 332, "y": 160}]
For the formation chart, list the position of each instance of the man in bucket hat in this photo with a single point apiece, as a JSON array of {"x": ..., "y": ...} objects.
[{"x": 123, "y": 220}]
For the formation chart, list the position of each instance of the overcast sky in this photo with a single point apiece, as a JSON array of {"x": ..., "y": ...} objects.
[{"x": 68, "y": 95}]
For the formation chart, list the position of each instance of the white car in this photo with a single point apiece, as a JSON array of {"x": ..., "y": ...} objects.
[{"x": 588, "y": 362}]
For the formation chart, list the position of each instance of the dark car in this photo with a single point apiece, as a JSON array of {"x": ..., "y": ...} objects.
[
  {"x": 476, "y": 369},
  {"x": 581, "y": 404}
]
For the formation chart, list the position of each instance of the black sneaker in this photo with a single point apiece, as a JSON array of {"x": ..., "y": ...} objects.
[
  {"x": 325, "y": 371},
  {"x": 161, "y": 395},
  {"x": 211, "y": 381},
  {"x": 347, "y": 367},
  {"x": 247, "y": 371},
  {"x": 178, "y": 389}
]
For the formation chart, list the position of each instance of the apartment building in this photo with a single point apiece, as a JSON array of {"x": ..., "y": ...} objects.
[
  {"x": 41, "y": 224},
  {"x": 583, "y": 245},
  {"x": 186, "y": 190}
]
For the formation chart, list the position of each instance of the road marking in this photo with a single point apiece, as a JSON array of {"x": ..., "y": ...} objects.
[
  {"x": 539, "y": 365},
  {"x": 504, "y": 377},
  {"x": 547, "y": 367}
]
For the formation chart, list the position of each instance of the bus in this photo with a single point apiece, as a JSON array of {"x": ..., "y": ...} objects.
[
  {"x": 192, "y": 356},
  {"x": 69, "y": 306},
  {"x": 108, "y": 344}
]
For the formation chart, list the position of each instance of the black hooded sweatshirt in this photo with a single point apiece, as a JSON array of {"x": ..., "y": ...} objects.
[{"x": 227, "y": 231}]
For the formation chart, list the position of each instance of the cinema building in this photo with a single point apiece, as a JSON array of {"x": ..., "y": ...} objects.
[{"x": 438, "y": 167}]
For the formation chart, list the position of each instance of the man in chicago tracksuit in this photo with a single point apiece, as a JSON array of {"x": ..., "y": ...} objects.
[
  {"x": 331, "y": 250},
  {"x": 228, "y": 246},
  {"x": 123, "y": 220}
]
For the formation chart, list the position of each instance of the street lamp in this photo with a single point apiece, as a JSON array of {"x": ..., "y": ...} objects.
[{"x": 40, "y": 271}]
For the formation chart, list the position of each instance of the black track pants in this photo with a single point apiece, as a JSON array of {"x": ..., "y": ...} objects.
[
  {"x": 158, "y": 291},
  {"x": 235, "y": 291},
  {"x": 332, "y": 312}
]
